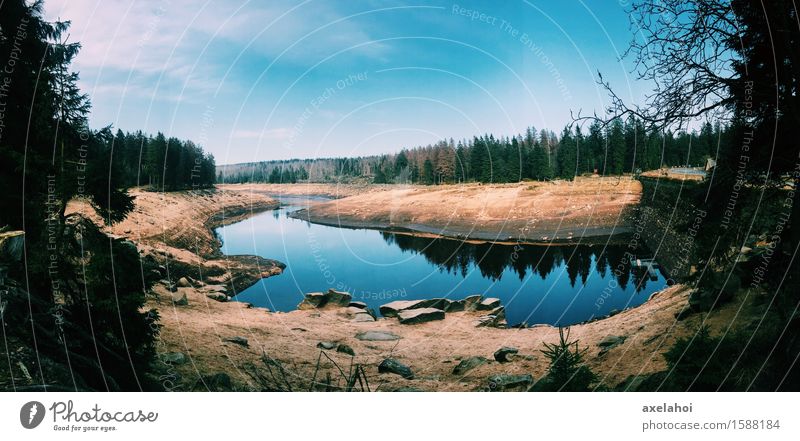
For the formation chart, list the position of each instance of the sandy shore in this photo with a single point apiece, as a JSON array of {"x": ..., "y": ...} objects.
[
  {"x": 526, "y": 212},
  {"x": 176, "y": 227}
]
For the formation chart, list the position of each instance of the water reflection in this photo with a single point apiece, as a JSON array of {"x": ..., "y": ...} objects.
[{"x": 458, "y": 257}]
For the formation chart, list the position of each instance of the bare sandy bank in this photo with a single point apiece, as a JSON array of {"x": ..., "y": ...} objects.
[
  {"x": 176, "y": 228},
  {"x": 524, "y": 212},
  {"x": 200, "y": 331}
]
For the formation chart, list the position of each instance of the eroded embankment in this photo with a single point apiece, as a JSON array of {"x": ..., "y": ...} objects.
[{"x": 527, "y": 212}]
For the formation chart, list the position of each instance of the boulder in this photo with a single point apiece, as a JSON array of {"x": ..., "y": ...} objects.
[
  {"x": 414, "y": 316},
  {"x": 173, "y": 358},
  {"x": 392, "y": 366},
  {"x": 218, "y": 296},
  {"x": 505, "y": 382},
  {"x": 468, "y": 364},
  {"x": 488, "y": 304},
  {"x": 313, "y": 300},
  {"x": 215, "y": 288},
  {"x": 183, "y": 282},
  {"x": 377, "y": 336},
  {"x": 394, "y": 308},
  {"x": 363, "y": 317},
  {"x": 344, "y": 349},
  {"x": 339, "y": 298},
  {"x": 471, "y": 302},
  {"x": 456, "y": 306},
  {"x": 490, "y": 321},
  {"x": 326, "y": 345},
  {"x": 239, "y": 340},
  {"x": 499, "y": 312},
  {"x": 179, "y": 298},
  {"x": 503, "y": 353},
  {"x": 361, "y": 305}
]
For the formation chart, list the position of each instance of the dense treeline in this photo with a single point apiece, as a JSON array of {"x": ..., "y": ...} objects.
[
  {"x": 160, "y": 162},
  {"x": 612, "y": 149}
]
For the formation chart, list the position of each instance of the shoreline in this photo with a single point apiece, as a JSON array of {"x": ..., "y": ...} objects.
[{"x": 200, "y": 329}]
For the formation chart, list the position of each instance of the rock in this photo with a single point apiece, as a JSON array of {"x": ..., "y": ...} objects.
[
  {"x": 499, "y": 312},
  {"x": 344, "y": 349},
  {"x": 394, "y": 308},
  {"x": 614, "y": 312},
  {"x": 471, "y": 302},
  {"x": 183, "y": 282},
  {"x": 468, "y": 364},
  {"x": 361, "y": 305},
  {"x": 326, "y": 345},
  {"x": 392, "y": 366},
  {"x": 173, "y": 358},
  {"x": 377, "y": 336},
  {"x": 339, "y": 298},
  {"x": 414, "y": 316},
  {"x": 215, "y": 288},
  {"x": 490, "y": 321},
  {"x": 610, "y": 342},
  {"x": 239, "y": 340},
  {"x": 503, "y": 353},
  {"x": 179, "y": 298},
  {"x": 364, "y": 317},
  {"x": 218, "y": 296},
  {"x": 313, "y": 300},
  {"x": 488, "y": 304},
  {"x": 504, "y": 382},
  {"x": 456, "y": 306}
]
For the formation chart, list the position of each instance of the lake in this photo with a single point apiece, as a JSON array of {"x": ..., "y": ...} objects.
[{"x": 556, "y": 285}]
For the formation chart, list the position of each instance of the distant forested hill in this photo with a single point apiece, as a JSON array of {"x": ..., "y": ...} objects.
[{"x": 616, "y": 148}]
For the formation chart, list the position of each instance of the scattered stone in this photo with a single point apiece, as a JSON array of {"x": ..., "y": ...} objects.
[
  {"x": 468, "y": 364},
  {"x": 471, "y": 302},
  {"x": 503, "y": 353},
  {"x": 344, "y": 349},
  {"x": 491, "y": 321},
  {"x": 456, "y": 306},
  {"x": 414, "y": 316},
  {"x": 394, "y": 308},
  {"x": 173, "y": 358},
  {"x": 216, "y": 288},
  {"x": 488, "y": 304},
  {"x": 377, "y": 336},
  {"x": 239, "y": 340},
  {"x": 340, "y": 298},
  {"x": 614, "y": 312},
  {"x": 183, "y": 282},
  {"x": 364, "y": 317},
  {"x": 504, "y": 382},
  {"x": 499, "y": 312},
  {"x": 360, "y": 305},
  {"x": 313, "y": 300},
  {"x": 326, "y": 345},
  {"x": 300, "y": 329},
  {"x": 392, "y": 366},
  {"x": 610, "y": 342},
  {"x": 179, "y": 298},
  {"x": 220, "y": 297}
]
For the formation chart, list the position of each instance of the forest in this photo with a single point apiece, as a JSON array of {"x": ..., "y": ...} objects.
[
  {"x": 160, "y": 163},
  {"x": 606, "y": 149}
]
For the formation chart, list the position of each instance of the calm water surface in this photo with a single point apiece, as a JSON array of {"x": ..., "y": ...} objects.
[{"x": 557, "y": 285}]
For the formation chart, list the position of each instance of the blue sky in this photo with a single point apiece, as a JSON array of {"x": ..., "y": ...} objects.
[{"x": 256, "y": 80}]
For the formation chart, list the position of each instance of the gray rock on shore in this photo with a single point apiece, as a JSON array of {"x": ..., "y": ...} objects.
[
  {"x": 468, "y": 364},
  {"x": 502, "y": 355},
  {"x": 423, "y": 315},
  {"x": 392, "y": 366},
  {"x": 505, "y": 382},
  {"x": 377, "y": 336},
  {"x": 314, "y": 300}
]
